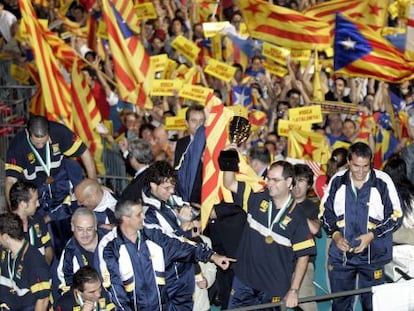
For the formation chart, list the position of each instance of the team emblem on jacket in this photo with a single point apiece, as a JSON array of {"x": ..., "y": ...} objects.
[{"x": 264, "y": 205}]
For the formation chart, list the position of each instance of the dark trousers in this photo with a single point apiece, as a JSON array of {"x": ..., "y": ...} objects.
[
  {"x": 243, "y": 295},
  {"x": 343, "y": 278}
]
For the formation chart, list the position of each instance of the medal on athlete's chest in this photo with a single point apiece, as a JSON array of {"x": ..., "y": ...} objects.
[
  {"x": 268, "y": 239},
  {"x": 49, "y": 180},
  {"x": 271, "y": 221}
]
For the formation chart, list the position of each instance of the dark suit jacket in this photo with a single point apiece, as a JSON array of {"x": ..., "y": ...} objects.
[
  {"x": 180, "y": 148},
  {"x": 133, "y": 191}
]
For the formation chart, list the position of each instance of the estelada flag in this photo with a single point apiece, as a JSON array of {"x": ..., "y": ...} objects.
[
  {"x": 360, "y": 51},
  {"x": 132, "y": 64},
  {"x": 308, "y": 146},
  {"x": 285, "y": 27},
  {"x": 372, "y": 13}
]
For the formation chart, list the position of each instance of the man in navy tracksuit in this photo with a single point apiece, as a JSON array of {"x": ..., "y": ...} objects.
[
  {"x": 132, "y": 260},
  {"x": 360, "y": 210},
  {"x": 161, "y": 205},
  {"x": 42, "y": 154}
]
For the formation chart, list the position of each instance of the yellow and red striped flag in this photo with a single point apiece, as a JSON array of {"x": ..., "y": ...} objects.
[
  {"x": 285, "y": 27},
  {"x": 362, "y": 52},
  {"x": 308, "y": 146},
  {"x": 126, "y": 10},
  {"x": 205, "y": 8},
  {"x": 213, "y": 191},
  {"x": 86, "y": 116},
  {"x": 63, "y": 52},
  {"x": 56, "y": 92},
  {"x": 132, "y": 64},
  {"x": 71, "y": 26},
  {"x": 233, "y": 54},
  {"x": 64, "y": 5},
  {"x": 36, "y": 105},
  {"x": 372, "y": 13},
  {"x": 216, "y": 139}
]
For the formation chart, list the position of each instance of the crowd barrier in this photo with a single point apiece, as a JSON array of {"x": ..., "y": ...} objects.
[{"x": 14, "y": 110}]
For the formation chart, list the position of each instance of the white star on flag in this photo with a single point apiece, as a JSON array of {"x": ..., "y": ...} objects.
[
  {"x": 348, "y": 44},
  {"x": 240, "y": 98}
]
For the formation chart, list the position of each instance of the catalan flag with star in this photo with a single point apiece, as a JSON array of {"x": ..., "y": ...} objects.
[
  {"x": 285, "y": 27},
  {"x": 132, "y": 66},
  {"x": 360, "y": 51},
  {"x": 372, "y": 13},
  {"x": 205, "y": 8},
  {"x": 308, "y": 146}
]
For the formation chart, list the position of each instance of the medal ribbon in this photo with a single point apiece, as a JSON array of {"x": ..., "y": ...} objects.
[
  {"x": 46, "y": 166},
  {"x": 12, "y": 268},
  {"x": 279, "y": 214}
]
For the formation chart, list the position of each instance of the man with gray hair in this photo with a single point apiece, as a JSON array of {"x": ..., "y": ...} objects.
[
  {"x": 133, "y": 258},
  {"x": 80, "y": 249},
  {"x": 140, "y": 156}
]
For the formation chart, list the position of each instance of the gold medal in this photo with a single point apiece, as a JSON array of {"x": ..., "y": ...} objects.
[
  {"x": 49, "y": 180},
  {"x": 268, "y": 239}
]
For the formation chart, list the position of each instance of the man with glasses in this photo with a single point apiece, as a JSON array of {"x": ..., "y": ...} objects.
[
  {"x": 360, "y": 210},
  {"x": 161, "y": 206},
  {"x": 80, "y": 249},
  {"x": 276, "y": 243}
]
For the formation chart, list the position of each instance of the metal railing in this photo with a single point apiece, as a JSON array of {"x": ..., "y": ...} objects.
[
  {"x": 283, "y": 307},
  {"x": 318, "y": 298}
]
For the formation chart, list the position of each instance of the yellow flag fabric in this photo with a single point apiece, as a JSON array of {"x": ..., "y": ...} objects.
[
  {"x": 285, "y": 27},
  {"x": 132, "y": 65},
  {"x": 372, "y": 13},
  {"x": 308, "y": 146},
  {"x": 213, "y": 191},
  {"x": 318, "y": 94},
  {"x": 86, "y": 116},
  {"x": 55, "y": 90}
]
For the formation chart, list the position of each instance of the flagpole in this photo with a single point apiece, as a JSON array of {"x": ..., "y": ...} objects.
[{"x": 215, "y": 8}]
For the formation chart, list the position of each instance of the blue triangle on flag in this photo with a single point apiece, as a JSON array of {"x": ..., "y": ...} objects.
[
  {"x": 242, "y": 95},
  {"x": 125, "y": 30},
  {"x": 349, "y": 43}
]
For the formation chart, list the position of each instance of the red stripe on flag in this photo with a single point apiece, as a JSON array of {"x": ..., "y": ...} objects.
[
  {"x": 283, "y": 33},
  {"x": 393, "y": 65},
  {"x": 332, "y": 11},
  {"x": 278, "y": 17}
]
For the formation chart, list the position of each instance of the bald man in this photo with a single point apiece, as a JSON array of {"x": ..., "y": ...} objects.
[{"x": 98, "y": 199}]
